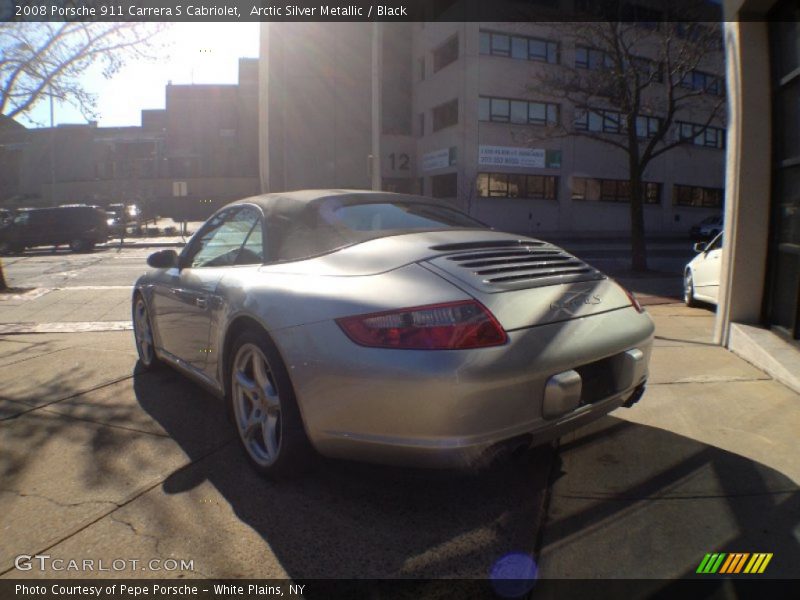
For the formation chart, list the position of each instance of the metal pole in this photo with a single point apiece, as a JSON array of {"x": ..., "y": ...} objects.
[{"x": 52, "y": 154}]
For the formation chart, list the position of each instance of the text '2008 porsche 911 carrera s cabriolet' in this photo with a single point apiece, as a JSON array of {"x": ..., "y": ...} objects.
[{"x": 388, "y": 328}]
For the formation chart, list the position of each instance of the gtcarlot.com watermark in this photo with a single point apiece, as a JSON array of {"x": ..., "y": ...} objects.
[{"x": 46, "y": 563}]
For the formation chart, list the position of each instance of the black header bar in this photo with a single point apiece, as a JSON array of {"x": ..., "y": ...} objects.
[{"x": 645, "y": 11}]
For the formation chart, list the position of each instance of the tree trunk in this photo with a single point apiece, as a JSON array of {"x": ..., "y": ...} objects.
[{"x": 638, "y": 246}]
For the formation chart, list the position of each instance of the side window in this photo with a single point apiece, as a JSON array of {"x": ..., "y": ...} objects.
[
  {"x": 222, "y": 238},
  {"x": 253, "y": 249},
  {"x": 716, "y": 244}
]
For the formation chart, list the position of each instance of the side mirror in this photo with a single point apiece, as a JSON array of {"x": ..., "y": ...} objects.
[
  {"x": 163, "y": 259},
  {"x": 700, "y": 247}
]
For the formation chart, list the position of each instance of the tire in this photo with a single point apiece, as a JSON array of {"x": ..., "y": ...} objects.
[
  {"x": 143, "y": 335},
  {"x": 78, "y": 245},
  {"x": 688, "y": 289},
  {"x": 10, "y": 248},
  {"x": 264, "y": 408}
]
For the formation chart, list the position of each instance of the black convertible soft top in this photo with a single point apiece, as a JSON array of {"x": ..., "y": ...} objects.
[{"x": 307, "y": 223}]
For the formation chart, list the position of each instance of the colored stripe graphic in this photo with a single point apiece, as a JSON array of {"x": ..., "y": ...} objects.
[
  {"x": 728, "y": 562},
  {"x": 758, "y": 563},
  {"x": 711, "y": 563},
  {"x": 734, "y": 563}
]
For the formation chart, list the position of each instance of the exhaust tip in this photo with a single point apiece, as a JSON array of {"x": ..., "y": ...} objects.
[{"x": 636, "y": 396}]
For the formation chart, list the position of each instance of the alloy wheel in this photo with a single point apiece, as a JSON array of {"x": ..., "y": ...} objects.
[
  {"x": 143, "y": 333},
  {"x": 688, "y": 289},
  {"x": 256, "y": 405}
]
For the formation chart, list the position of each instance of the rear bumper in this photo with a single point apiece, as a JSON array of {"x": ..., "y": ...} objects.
[{"x": 452, "y": 408}]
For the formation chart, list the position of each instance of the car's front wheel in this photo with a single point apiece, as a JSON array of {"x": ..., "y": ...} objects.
[
  {"x": 688, "y": 289},
  {"x": 143, "y": 332},
  {"x": 79, "y": 245},
  {"x": 264, "y": 408}
]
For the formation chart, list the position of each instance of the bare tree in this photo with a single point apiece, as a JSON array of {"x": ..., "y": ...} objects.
[
  {"x": 38, "y": 60},
  {"x": 42, "y": 59},
  {"x": 628, "y": 85}
]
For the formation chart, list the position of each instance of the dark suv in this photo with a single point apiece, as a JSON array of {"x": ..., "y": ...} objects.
[{"x": 81, "y": 227}]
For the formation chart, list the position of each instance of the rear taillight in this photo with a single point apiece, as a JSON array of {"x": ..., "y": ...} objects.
[
  {"x": 634, "y": 301},
  {"x": 451, "y": 326}
]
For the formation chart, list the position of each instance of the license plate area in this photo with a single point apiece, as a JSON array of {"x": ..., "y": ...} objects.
[{"x": 598, "y": 380}]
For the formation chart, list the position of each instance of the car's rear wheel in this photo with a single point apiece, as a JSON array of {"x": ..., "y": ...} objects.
[
  {"x": 688, "y": 289},
  {"x": 143, "y": 332},
  {"x": 264, "y": 408},
  {"x": 10, "y": 248},
  {"x": 77, "y": 245}
]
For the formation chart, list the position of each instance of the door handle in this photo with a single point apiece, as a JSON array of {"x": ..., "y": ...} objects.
[{"x": 201, "y": 302}]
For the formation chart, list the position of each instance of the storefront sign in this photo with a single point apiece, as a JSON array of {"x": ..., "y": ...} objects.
[
  {"x": 439, "y": 159},
  {"x": 509, "y": 156}
]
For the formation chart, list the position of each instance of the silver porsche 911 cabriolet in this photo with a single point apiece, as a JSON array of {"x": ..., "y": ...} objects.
[{"x": 388, "y": 328}]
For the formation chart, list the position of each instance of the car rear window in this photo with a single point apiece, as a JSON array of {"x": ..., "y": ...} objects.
[
  {"x": 335, "y": 223},
  {"x": 397, "y": 216}
]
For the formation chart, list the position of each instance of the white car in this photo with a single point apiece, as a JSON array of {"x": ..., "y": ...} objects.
[{"x": 701, "y": 276}]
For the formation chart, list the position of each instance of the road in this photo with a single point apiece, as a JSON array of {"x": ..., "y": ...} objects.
[{"x": 103, "y": 267}]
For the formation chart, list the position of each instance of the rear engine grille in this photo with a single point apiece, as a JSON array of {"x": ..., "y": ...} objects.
[{"x": 514, "y": 265}]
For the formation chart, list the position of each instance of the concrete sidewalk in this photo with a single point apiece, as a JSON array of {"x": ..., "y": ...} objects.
[
  {"x": 706, "y": 462},
  {"x": 101, "y": 461}
]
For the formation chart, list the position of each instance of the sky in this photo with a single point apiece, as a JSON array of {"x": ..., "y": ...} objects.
[{"x": 197, "y": 53}]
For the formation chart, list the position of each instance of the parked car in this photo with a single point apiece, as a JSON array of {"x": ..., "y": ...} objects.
[
  {"x": 388, "y": 328},
  {"x": 5, "y": 215},
  {"x": 79, "y": 226},
  {"x": 115, "y": 222},
  {"x": 701, "y": 276},
  {"x": 707, "y": 228}
]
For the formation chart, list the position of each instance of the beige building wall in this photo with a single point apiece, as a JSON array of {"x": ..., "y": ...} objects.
[
  {"x": 324, "y": 87},
  {"x": 475, "y": 75}
]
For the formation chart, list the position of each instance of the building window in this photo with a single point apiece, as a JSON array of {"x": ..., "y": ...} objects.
[
  {"x": 421, "y": 68},
  {"x": 518, "y": 46},
  {"x": 700, "y": 135},
  {"x": 692, "y": 195},
  {"x": 397, "y": 185},
  {"x": 591, "y": 58},
  {"x": 600, "y": 120},
  {"x": 445, "y": 54},
  {"x": 421, "y": 124},
  {"x": 647, "y": 126},
  {"x": 703, "y": 82},
  {"x": 514, "y": 185},
  {"x": 444, "y": 186},
  {"x": 612, "y": 190},
  {"x": 611, "y": 121},
  {"x": 445, "y": 115},
  {"x": 521, "y": 112},
  {"x": 651, "y": 68}
]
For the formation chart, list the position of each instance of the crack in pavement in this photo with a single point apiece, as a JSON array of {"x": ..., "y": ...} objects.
[
  {"x": 70, "y": 397},
  {"x": 56, "y": 502},
  {"x": 117, "y": 506},
  {"x": 137, "y": 533}
]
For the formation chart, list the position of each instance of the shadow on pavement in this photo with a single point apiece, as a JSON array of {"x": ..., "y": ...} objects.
[
  {"x": 629, "y": 500},
  {"x": 347, "y": 520}
]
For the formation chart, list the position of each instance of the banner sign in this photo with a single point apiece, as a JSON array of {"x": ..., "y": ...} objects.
[{"x": 509, "y": 156}]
